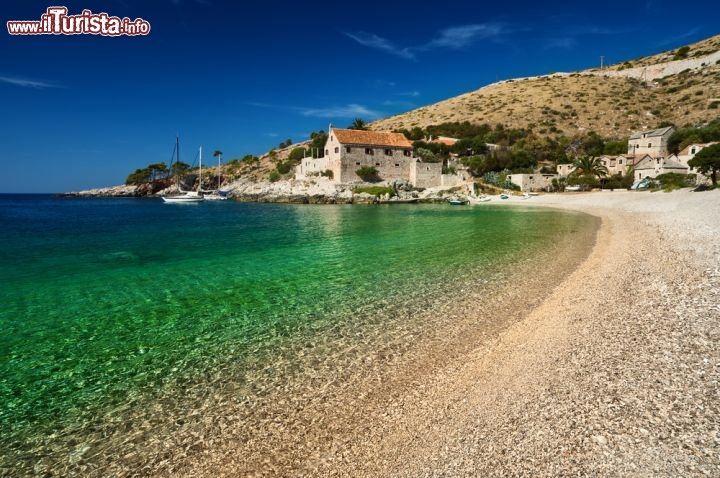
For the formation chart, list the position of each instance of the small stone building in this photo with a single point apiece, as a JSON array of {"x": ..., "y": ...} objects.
[
  {"x": 653, "y": 142},
  {"x": 391, "y": 154},
  {"x": 532, "y": 182},
  {"x": 651, "y": 167},
  {"x": 689, "y": 153}
]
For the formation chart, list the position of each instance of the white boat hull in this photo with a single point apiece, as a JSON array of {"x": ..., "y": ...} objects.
[
  {"x": 183, "y": 199},
  {"x": 215, "y": 197}
]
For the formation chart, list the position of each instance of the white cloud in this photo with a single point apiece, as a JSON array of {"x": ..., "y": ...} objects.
[
  {"x": 456, "y": 37},
  {"x": 28, "y": 83},
  {"x": 351, "y": 110},
  {"x": 348, "y": 111},
  {"x": 371, "y": 40},
  {"x": 463, "y": 35},
  {"x": 680, "y": 37}
]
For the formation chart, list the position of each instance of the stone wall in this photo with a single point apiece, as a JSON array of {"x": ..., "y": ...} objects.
[
  {"x": 424, "y": 175},
  {"x": 390, "y": 167},
  {"x": 654, "y": 72},
  {"x": 310, "y": 167}
]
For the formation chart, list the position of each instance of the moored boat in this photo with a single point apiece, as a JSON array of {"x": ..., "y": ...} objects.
[{"x": 184, "y": 196}]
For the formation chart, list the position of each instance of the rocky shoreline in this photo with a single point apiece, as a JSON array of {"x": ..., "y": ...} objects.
[{"x": 291, "y": 192}]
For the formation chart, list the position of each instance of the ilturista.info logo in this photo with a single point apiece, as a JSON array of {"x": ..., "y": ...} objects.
[{"x": 56, "y": 21}]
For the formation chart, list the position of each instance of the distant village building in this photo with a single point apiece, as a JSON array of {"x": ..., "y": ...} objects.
[
  {"x": 653, "y": 142},
  {"x": 391, "y": 154},
  {"x": 618, "y": 165},
  {"x": 532, "y": 182},
  {"x": 689, "y": 153},
  {"x": 565, "y": 169},
  {"x": 646, "y": 150},
  {"x": 653, "y": 167}
]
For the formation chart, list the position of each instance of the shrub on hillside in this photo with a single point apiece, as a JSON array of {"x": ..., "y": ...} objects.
[
  {"x": 284, "y": 168},
  {"x": 368, "y": 174}
]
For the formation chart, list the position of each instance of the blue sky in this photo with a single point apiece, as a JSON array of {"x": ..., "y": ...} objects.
[{"x": 83, "y": 111}]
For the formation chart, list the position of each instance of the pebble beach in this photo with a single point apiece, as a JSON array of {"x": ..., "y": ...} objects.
[{"x": 613, "y": 373}]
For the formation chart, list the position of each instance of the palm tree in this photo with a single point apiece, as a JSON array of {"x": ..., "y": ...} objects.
[
  {"x": 358, "y": 124},
  {"x": 587, "y": 166},
  {"x": 218, "y": 154}
]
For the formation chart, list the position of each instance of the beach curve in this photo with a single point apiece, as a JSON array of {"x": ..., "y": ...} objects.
[{"x": 615, "y": 373}]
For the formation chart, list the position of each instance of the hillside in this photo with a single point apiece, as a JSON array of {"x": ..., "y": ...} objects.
[{"x": 614, "y": 101}]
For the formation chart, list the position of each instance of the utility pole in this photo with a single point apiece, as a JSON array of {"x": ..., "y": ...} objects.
[{"x": 602, "y": 60}]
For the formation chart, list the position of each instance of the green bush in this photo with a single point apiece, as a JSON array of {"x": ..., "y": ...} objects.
[
  {"x": 327, "y": 173},
  {"x": 368, "y": 174},
  {"x": 374, "y": 190},
  {"x": 296, "y": 155},
  {"x": 274, "y": 176},
  {"x": 284, "y": 168},
  {"x": 140, "y": 176},
  {"x": 681, "y": 53},
  {"x": 670, "y": 181}
]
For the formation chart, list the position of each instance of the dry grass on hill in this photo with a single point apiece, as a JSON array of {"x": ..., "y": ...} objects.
[{"x": 614, "y": 107}]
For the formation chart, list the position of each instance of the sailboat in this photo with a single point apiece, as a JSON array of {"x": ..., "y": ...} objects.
[
  {"x": 215, "y": 195},
  {"x": 184, "y": 196}
]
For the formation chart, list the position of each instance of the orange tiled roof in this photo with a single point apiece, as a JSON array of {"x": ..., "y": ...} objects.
[
  {"x": 444, "y": 140},
  {"x": 371, "y": 138},
  {"x": 686, "y": 151}
]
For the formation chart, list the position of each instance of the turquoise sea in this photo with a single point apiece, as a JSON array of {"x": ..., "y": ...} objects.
[{"x": 109, "y": 306}]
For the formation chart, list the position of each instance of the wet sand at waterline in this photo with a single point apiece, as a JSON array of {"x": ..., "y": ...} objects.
[{"x": 613, "y": 371}]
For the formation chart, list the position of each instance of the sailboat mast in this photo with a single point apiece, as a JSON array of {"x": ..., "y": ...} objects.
[
  {"x": 219, "y": 171},
  {"x": 177, "y": 161},
  {"x": 200, "y": 184}
]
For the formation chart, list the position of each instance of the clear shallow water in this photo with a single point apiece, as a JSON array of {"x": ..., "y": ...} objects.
[{"x": 104, "y": 300}]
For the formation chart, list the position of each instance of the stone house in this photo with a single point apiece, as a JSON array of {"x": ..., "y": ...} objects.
[
  {"x": 532, "y": 182},
  {"x": 564, "y": 170},
  {"x": 618, "y": 164},
  {"x": 391, "y": 154},
  {"x": 653, "y": 142},
  {"x": 651, "y": 167},
  {"x": 689, "y": 153}
]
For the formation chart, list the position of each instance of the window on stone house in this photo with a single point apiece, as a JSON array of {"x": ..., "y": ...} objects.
[
  {"x": 357, "y": 163},
  {"x": 649, "y": 145},
  {"x": 397, "y": 165},
  {"x": 337, "y": 149},
  {"x": 369, "y": 151},
  {"x": 388, "y": 152},
  {"x": 377, "y": 164},
  {"x": 406, "y": 152},
  {"x": 327, "y": 151},
  {"x": 620, "y": 161},
  {"x": 348, "y": 149},
  {"x": 692, "y": 150}
]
